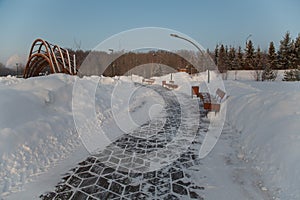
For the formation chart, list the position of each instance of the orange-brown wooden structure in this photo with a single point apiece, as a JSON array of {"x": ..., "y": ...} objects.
[
  {"x": 210, "y": 102},
  {"x": 44, "y": 55}
]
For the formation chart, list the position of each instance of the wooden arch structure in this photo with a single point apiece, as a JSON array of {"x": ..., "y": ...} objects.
[{"x": 44, "y": 55}]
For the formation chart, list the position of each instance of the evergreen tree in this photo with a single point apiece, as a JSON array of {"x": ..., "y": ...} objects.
[
  {"x": 257, "y": 64},
  {"x": 272, "y": 56},
  {"x": 249, "y": 56},
  {"x": 292, "y": 75},
  {"x": 269, "y": 73},
  {"x": 297, "y": 50},
  {"x": 257, "y": 59},
  {"x": 285, "y": 53},
  {"x": 222, "y": 60},
  {"x": 216, "y": 54},
  {"x": 227, "y": 61},
  {"x": 240, "y": 58},
  {"x": 293, "y": 56},
  {"x": 232, "y": 59}
]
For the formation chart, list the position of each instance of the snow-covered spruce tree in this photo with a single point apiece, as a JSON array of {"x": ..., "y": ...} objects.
[
  {"x": 297, "y": 50},
  {"x": 285, "y": 53},
  {"x": 249, "y": 56},
  {"x": 257, "y": 65},
  {"x": 222, "y": 61},
  {"x": 292, "y": 75},
  {"x": 293, "y": 59},
  {"x": 269, "y": 74},
  {"x": 216, "y": 55},
  {"x": 298, "y": 73},
  {"x": 240, "y": 58},
  {"x": 233, "y": 61},
  {"x": 227, "y": 58}
]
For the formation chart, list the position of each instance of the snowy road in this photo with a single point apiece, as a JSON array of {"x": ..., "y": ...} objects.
[
  {"x": 153, "y": 161},
  {"x": 156, "y": 160},
  {"x": 159, "y": 160}
]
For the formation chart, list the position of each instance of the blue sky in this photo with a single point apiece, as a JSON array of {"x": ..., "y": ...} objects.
[{"x": 207, "y": 21}]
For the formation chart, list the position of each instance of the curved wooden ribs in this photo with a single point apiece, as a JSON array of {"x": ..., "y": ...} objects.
[{"x": 43, "y": 55}]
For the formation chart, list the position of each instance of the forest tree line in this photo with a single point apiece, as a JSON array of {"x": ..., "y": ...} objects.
[{"x": 264, "y": 63}]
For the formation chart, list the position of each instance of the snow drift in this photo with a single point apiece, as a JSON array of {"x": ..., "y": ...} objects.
[
  {"x": 267, "y": 115},
  {"x": 37, "y": 128}
]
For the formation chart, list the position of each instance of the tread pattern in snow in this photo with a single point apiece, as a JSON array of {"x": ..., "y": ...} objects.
[{"x": 123, "y": 169}]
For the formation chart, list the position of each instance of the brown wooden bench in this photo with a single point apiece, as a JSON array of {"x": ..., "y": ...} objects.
[
  {"x": 195, "y": 91},
  {"x": 210, "y": 102},
  {"x": 148, "y": 81},
  {"x": 169, "y": 85}
]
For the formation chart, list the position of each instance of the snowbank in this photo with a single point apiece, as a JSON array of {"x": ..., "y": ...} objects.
[
  {"x": 267, "y": 115},
  {"x": 37, "y": 128},
  {"x": 250, "y": 75}
]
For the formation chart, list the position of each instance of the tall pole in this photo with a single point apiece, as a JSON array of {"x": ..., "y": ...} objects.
[
  {"x": 17, "y": 69},
  {"x": 180, "y": 37},
  {"x": 248, "y": 38},
  {"x": 74, "y": 62},
  {"x": 113, "y": 65}
]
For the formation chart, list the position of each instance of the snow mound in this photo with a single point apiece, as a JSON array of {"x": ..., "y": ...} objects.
[
  {"x": 36, "y": 127},
  {"x": 267, "y": 115}
]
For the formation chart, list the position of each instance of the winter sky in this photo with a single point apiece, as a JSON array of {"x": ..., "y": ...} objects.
[{"x": 89, "y": 22}]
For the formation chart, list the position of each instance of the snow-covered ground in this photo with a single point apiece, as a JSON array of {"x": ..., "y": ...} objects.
[
  {"x": 250, "y": 75},
  {"x": 267, "y": 116},
  {"x": 38, "y": 140},
  {"x": 37, "y": 130}
]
